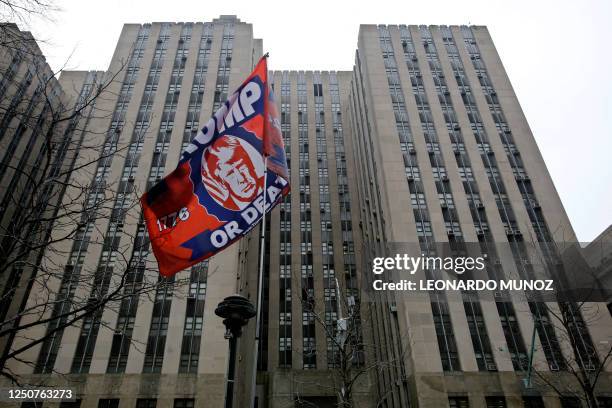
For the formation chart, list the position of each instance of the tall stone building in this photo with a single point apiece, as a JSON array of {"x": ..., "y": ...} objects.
[
  {"x": 446, "y": 156},
  {"x": 41, "y": 121},
  {"x": 423, "y": 142}
]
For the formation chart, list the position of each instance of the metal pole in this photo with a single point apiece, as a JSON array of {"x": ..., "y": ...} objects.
[
  {"x": 262, "y": 244},
  {"x": 236, "y": 311},
  {"x": 231, "y": 372}
]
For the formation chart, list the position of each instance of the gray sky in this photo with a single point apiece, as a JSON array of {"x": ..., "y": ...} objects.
[{"x": 557, "y": 54}]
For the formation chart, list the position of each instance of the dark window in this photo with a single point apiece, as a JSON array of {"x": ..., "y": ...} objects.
[
  {"x": 496, "y": 402},
  {"x": 458, "y": 402},
  {"x": 146, "y": 403},
  {"x": 316, "y": 402},
  {"x": 70, "y": 404},
  {"x": 533, "y": 402},
  {"x": 183, "y": 403},
  {"x": 605, "y": 402},
  {"x": 108, "y": 403},
  {"x": 570, "y": 402}
]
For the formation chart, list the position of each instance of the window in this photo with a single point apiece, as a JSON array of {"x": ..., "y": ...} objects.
[
  {"x": 605, "y": 402},
  {"x": 424, "y": 229},
  {"x": 466, "y": 174},
  {"x": 446, "y": 339},
  {"x": 146, "y": 403},
  {"x": 496, "y": 402},
  {"x": 533, "y": 402},
  {"x": 417, "y": 199},
  {"x": 570, "y": 402},
  {"x": 284, "y": 318},
  {"x": 108, "y": 403},
  {"x": 70, "y": 404},
  {"x": 458, "y": 402},
  {"x": 184, "y": 403}
]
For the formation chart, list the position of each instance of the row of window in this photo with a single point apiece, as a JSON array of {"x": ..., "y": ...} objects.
[
  {"x": 50, "y": 346},
  {"x": 453, "y": 402},
  {"x": 444, "y": 330}
]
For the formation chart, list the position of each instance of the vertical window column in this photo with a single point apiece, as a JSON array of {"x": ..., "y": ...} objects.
[{"x": 72, "y": 271}]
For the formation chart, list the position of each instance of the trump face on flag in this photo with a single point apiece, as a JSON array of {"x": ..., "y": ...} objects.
[{"x": 231, "y": 173}]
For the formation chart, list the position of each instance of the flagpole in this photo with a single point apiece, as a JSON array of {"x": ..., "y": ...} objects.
[{"x": 262, "y": 249}]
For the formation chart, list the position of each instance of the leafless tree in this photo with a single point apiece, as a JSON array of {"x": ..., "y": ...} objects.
[
  {"x": 24, "y": 13},
  {"x": 581, "y": 364},
  {"x": 22, "y": 10},
  {"x": 354, "y": 357},
  {"x": 57, "y": 196}
]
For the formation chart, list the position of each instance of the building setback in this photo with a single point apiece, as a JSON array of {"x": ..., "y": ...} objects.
[{"x": 423, "y": 142}]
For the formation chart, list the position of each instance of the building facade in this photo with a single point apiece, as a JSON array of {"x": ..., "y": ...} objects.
[
  {"x": 41, "y": 121},
  {"x": 447, "y": 157},
  {"x": 423, "y": 142}
]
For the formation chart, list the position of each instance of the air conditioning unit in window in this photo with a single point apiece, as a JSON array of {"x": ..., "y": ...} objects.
[
  {"x": 411, "y": 150},
  {"x": 444, "y": 178},
  {"x": 497, "y": 294},
  {"x": 491, "y": 367}
]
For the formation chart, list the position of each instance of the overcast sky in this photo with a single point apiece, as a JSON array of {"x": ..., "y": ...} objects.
[{"x": 557, "y": 54}]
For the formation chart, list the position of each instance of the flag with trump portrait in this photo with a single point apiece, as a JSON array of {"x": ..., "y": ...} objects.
[{"x": 218, "y": 193}]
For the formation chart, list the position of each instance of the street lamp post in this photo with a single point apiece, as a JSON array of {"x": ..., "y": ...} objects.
[{"x": 235, "y": 311}]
